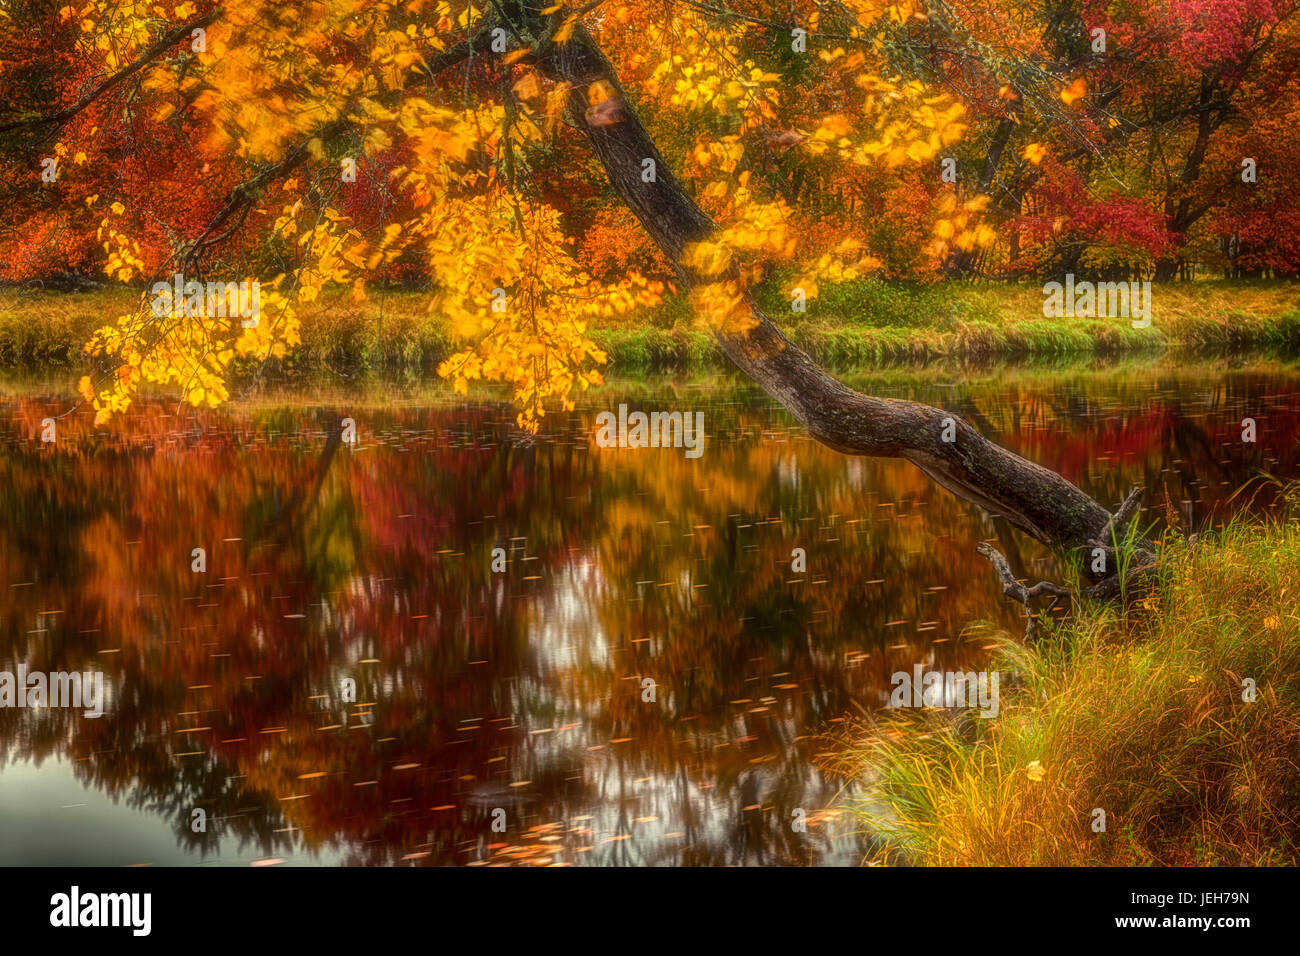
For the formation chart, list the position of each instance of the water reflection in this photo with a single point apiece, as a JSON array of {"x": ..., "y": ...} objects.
[{"x": 527, "y": 691}]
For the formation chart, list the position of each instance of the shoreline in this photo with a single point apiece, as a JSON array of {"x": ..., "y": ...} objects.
[
  {"x": 1108, "y": 701},
  {"x": 858, "y": 326}
]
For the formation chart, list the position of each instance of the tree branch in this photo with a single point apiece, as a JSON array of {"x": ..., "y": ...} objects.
[
  {"x": 144, "y": 59},
  {"x": 1012, "y": 588},
  {"x": 1034, "y": 499},
  {"x": 1120, "y": 520}
]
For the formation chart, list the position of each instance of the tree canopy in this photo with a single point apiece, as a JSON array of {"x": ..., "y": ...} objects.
[{"x": 360, "y": 142}]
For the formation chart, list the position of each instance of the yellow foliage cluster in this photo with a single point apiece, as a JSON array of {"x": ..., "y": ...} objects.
[
  {"x": 272, "y": 72},
  {"x": 192, "y": 352},
  {"x": 957, "y": 224},
  {"x": 868, "y": 12},
  {"x": 1034, "y": 152},
  {"x": 268, "y": 76},
  {"x": 183, "y": 349},
  {"x": 898, "y": 123},
  {"x": 510, "y": 281},
  {"x": 909, "y": 125},
  {"x": 116, "y": 29},
  {"x": 123, "y": 252},
  {"x": 752, "y": 235},
  {"x": 274, "y": 79},
  {"x": 706, "y": 69},
  {"x": 457, "y": 149}
]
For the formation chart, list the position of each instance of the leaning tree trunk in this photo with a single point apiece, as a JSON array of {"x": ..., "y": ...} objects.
[{"x": 1034, "y": 499}]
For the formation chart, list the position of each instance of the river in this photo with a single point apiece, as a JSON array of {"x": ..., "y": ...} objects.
[{"x": 652, "y": 677}]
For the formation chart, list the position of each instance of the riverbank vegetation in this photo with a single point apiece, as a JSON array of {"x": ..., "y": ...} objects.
[
  {"x": 1179, "y": 718},
  {"x": 857, "y": 324}
]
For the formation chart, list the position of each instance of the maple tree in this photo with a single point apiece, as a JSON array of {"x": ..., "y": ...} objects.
[
  {"x": 287, "y": 96},
  {"x": 1106, "y": 133}
]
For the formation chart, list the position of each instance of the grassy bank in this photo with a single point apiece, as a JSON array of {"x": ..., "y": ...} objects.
[
  {"x": 1139, "y": 715},
  {"x": 854, "y": 325}
]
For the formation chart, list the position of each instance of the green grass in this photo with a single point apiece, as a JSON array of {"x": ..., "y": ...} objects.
[
  {"x": 856, "y": 324},
  {"x": 1140, "y": 714}
]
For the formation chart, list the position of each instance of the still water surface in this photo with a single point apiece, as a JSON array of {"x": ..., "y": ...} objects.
[{"x": 524, "y": 691}]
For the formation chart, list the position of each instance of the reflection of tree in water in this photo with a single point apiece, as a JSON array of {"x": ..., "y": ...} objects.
[{"x": 373, "y": 563}]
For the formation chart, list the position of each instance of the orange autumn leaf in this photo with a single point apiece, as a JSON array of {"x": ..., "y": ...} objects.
[{"x": 1074, "y": 91}]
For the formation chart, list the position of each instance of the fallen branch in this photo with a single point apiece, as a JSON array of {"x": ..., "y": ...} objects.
[
  {"x": 1012, "y": 588},
  {"x": 1143, "y": 554},
  {"x": 1120, "y": 520}
]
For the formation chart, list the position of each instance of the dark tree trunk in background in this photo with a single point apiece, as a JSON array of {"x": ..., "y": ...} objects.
[
  {"x": 1166, "y": 269},
  {"x": 963, "y": 263},
  {"x": 1182, "y": 214},
  {"x": 1034, "y": 499}
]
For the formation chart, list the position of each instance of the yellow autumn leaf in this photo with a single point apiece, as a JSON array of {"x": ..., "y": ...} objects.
[
  {"x": 566, "y": 29},
  {"x": 1074, "y": 91},
  {"x": 600, "y": 91},
  {"x": 527, "y": 87}
]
